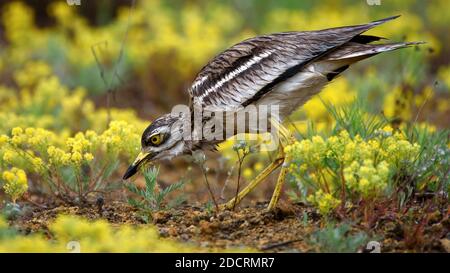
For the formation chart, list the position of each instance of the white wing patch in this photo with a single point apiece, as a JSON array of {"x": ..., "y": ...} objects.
[
  {"x": 198, "y": 82},
  {"x": 255, "y": 59}
]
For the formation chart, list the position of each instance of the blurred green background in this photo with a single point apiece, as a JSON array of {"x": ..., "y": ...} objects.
[
  {"x": 140, "y": 60},
  {"x": 169, "y": 41}
]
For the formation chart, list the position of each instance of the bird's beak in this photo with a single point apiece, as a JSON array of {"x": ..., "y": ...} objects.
[{"x": 141, "y": 158}]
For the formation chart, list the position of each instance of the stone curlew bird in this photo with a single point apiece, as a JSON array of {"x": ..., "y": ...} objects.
[{"x": 281, "y": 70}]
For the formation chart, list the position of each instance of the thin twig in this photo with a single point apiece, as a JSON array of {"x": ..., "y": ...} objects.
[
  {"x": 209, "y": 187},
  {"x": 421, "y": 108},
  {"x": 27, "y": 198},
  {"x": 245, "y": 152},
  {"x": 267, "y": 247},
  {"x": 225, "y": 184},
  {"x": 238, "y": 180},
  {"x": 341, "y": 172},
  {"x": 109, "y": 84}
]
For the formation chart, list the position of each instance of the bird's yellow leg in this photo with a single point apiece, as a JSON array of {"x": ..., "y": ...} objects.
[
  {"x": 286, "y": 137},
  {"x": 280, "y": 160},
  {"x": 279, "y": 186},
  {"x": 266, "y": 172},
  {"x": 284, "y": 134}
]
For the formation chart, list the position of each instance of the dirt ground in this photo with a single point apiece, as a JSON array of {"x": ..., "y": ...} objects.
[{"x": 283, "y": 230}]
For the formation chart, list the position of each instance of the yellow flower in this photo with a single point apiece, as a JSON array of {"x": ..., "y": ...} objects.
[
  {"x": 32, "y": 73},
  {"x": 88, "y": 157},
  {"x": 16, "y": 131},
  {"x": 16, "y": 183},
  {"x": 387, "y": 129},
  {"x": 258, "y": 166},
  {"x": 9, "y": 156},
  {"x": 325, "y": 202},
  {"x": 76, "y": 158},
  {"x": 248, "y": 173},
  {"x": 3, "y": 139},
  {"x": 92, "y": 236}
]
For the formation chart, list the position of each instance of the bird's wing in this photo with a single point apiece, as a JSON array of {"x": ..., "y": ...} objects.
[{"x": 248, "y": 70}]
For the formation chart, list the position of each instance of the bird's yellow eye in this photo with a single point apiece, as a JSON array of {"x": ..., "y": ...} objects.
[{"x": 156, "y": 139}]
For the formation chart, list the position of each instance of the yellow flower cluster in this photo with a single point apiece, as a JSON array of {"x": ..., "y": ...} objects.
[
  {"x": 76, "y": 234},
  {"x": 366, "y": 178},
  {"x": 79, "y": 148},
  {"x": 121, "y": 136},
  {"x": 15, "y": 183},
  {"x": 42, "y": 124},
  {"x": 32, "y": 73},
  {"x": 91, "y": 236},
  {"x": 312, "y": 151},
  {"x": 188, "y": 39},
  {"x": 46, "y": 154},
  {"x": 325, "y": 202},
  {"x": 42, "y": 101},
  {"x": 363, "y": 165},
  {"x": 32, "y": 137}
]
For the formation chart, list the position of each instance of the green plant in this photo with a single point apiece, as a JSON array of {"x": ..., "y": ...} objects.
[
  {"x": 151, "y": 198},
  {"x": 15, "y": 183},
  {"x": 242, "y": 149},
  {"x": 199, "y": 158},
  {"x": 337, "y": 239},
  {"x": 68, "y": 168},
  {"x": 365, "y": 163},
  {"x": 430, "y": 173}
]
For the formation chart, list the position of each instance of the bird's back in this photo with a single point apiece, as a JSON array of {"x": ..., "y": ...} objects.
[{"x": 283, "y": 69}]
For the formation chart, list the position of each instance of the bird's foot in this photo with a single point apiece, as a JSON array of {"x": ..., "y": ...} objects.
[{"x": 230, "y": 205}]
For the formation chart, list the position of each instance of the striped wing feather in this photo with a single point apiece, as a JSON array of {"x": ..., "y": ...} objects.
[{"x": 248, "y": 70}]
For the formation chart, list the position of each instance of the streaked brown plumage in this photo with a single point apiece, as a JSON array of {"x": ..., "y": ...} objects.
[
  {"x": 282, "y": 69},
  {"x": 290, "y": 52}
]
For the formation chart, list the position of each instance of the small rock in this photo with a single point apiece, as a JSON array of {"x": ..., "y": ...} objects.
[
  {"x": 164, "y": 232},
  {"x": 221, "y": 243},
  {"x": 394, "y": 230},
  {"x": 435, "y": 217},
  {"x": 193, "y": 229},
  {"x": 244, "y": 225},
  {"x": 207, "y": 227},
  {"x": 184, "y": 237},
  {"x": 436, "y": 228},
  {"x": 255, "y": 220},
  {"x": 446, "y": 244},
  {"x": 226, "y": 224},
  {"x": 160, "y": 217},
  {"x": 173, "y": 231},
  {"x": 223, "y": 215}
]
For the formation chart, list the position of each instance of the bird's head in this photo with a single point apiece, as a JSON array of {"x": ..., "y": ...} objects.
[{"x": 162, "y": 139}]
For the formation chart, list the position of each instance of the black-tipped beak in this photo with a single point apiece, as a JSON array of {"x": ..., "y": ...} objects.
[{"x": 132, "y": 170}]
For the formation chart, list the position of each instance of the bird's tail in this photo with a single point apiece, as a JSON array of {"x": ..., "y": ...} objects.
[
  {"x": 359, "y": 47},
  {"x": 354, "y": 51}
]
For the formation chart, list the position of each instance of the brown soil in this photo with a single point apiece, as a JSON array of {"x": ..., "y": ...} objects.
[{"x": 252, "y": 227}]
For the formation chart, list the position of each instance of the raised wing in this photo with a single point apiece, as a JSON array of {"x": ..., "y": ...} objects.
[{"x": 248, "y": 70}]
